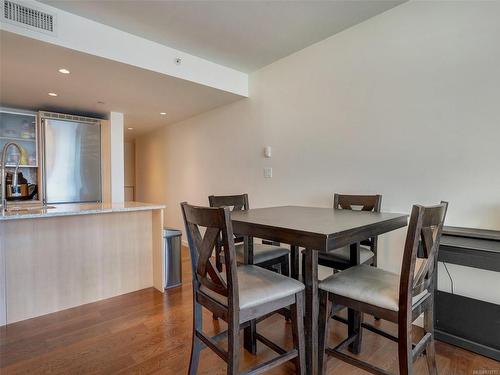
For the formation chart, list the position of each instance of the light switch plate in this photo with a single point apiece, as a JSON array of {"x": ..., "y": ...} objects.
[{"x": 268, "y": 172}]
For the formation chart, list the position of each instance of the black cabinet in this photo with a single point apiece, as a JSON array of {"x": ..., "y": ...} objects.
[{"x": 466, "y": 322}]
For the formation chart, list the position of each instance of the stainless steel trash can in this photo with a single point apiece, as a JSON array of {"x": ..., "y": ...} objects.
[{"x": 172, "y": 248}]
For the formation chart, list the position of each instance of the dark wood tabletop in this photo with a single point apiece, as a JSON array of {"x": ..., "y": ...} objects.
[{"x": 317, "y": 228}]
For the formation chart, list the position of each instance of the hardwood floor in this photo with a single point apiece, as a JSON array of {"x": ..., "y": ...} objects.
[{"x": 146, "y": 332}]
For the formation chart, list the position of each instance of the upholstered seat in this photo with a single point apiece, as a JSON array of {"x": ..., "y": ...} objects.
[
  {"x": 344, "y": 254},
  {"x": 257, "y": 286},
  {"x": 261, "y": 252},
  {"x": 369, "y": 285}
]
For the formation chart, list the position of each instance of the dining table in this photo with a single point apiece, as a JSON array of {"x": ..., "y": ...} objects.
[{"x": 315, "y": 230}]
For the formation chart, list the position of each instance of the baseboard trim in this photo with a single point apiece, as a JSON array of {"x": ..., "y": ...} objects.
[{"x": 467, "y": 344}]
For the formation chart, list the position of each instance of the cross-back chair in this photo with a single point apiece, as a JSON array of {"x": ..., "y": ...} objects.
[
  {"x": 340, "y": 259},
  {"x": 270, "y": 255},
  {"x": 397, "y": 298},
  {"x": 239, "y": 295}
]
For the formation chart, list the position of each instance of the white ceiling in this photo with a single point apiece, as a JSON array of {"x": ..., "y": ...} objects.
[
  {"x": 244, "y": 35},
  {"x": 29, "y": 71}
]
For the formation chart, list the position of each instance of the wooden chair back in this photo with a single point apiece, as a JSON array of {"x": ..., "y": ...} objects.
[
  {"x": 365, "y": 202},
  {"x": 216, "y": 223},
  {"x": 424, "y": 233},
  {"x": 235, "y": 202},
  {"x": 371, "y": 203}
]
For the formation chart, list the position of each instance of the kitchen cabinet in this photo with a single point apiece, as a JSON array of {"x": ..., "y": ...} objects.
[
  {"x": 67, "y": 255},
  {"x": 21, "y": 127}
]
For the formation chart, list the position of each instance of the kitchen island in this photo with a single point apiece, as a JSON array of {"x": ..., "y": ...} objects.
[{"x": 62, "y": 256}]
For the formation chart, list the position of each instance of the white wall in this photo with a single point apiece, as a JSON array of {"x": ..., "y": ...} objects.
[
  {"x": 129, "y": 161},
  {"x": 405, "y": 104},
  {"x": 117, "y": 157}
]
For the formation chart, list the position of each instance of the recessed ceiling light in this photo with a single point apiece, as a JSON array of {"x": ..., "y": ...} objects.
[
  {"x": 163, "y": 113},
  {"x": 130, "y": 128},
  {"x": 52, "y": 94},
  {"x": 64, "y": 71}
]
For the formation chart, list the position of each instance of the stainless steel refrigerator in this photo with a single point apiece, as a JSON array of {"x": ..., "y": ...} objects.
[{"x": 71, "y": 159}]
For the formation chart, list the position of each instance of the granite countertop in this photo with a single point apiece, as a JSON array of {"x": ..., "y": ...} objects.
[{"x": 72, "y": 209}]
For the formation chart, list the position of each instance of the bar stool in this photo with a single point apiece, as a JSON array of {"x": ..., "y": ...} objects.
[
  {"x": 239, "y": 296},
  {"x": 397, "y": 298}
]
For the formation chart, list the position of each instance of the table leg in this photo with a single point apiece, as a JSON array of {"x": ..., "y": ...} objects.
[
  {"x": 248, "y": 253},
  {"x": 250, "y": 337},
  {"x": 354, "y": 256},
  {"x": 312, "y": 310},
  {"x": 294, "y": 262},
  {"x": 354, "y": 318},
  {"x": 250, "y": 332}
]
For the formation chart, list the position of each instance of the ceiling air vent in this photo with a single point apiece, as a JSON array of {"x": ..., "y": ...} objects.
[{"x": 29, "y": 17}]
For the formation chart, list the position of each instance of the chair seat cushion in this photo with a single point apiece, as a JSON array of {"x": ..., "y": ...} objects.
[
  {"x": 344, "y": 254},
  {"x": 258, "y": 286},
  {"x": 369, "y": 285},
  {"x": 261, "y": 252}
]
